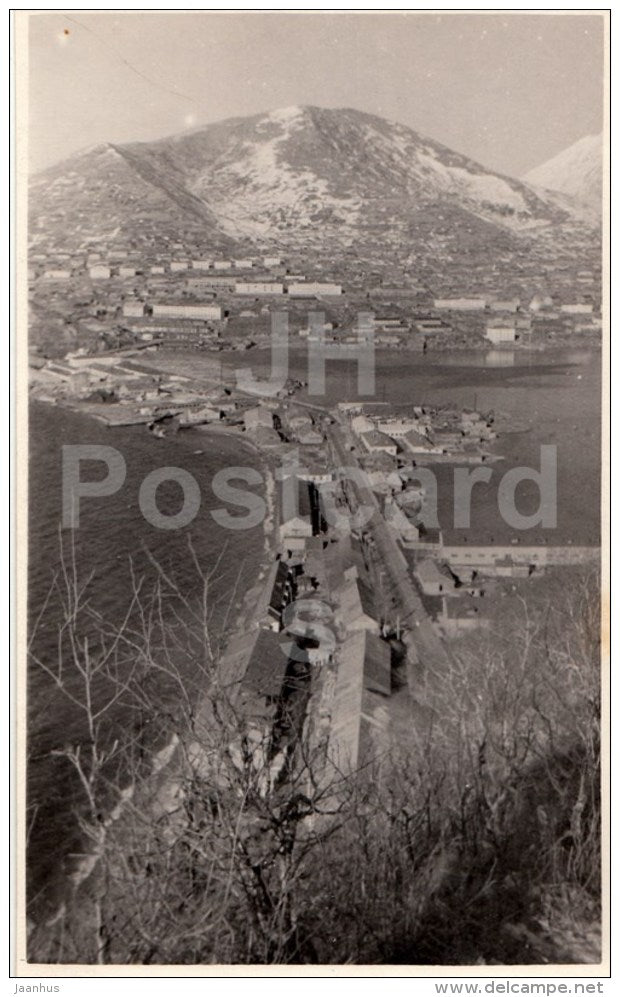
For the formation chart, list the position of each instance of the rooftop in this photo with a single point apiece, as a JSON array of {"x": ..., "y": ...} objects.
[
  {"x": 267, "y": 664},
  {"x": 375, "y": 438},
  {"x": 304, "y": 504},
  {"x": 430, "y": 571},
  {"x": 356, "y": 599},
  {"x": 272, "y": 591}
]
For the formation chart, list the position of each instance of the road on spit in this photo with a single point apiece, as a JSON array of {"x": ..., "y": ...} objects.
[{"x": 432, "y": 653}]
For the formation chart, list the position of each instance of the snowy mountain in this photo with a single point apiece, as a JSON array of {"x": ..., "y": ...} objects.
[
  {"x": 576, "y": 171},
  {"x": 300, "y": 176}
]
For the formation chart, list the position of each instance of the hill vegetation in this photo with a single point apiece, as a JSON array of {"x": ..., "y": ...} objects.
[{"x": 205, "y": 842}]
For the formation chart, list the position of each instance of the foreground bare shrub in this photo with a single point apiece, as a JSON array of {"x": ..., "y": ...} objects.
[{"x": 479, "y": 841}]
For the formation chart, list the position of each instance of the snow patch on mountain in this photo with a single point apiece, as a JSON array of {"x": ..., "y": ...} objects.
[
  {"x": 286, "y": 115},
  {"x": 486, "y": 187},
  {"x": 301, "y": 176},
  {"x": 576, "y": 171},
  {"x": 266, "y": 190},
  {"x": 421, "y": 163},
  {"x": 479, "y": 187}
]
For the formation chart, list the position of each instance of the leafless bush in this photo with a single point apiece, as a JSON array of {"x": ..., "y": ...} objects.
[{"x": 480, "y": 843}]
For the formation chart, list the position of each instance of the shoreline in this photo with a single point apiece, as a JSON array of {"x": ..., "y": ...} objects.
[
  {"x": 163, "y": 771},
  {"x": 213, "y": 429}
]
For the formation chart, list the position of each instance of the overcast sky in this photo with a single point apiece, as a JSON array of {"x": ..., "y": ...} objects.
[{"x": 507, "y": 90}]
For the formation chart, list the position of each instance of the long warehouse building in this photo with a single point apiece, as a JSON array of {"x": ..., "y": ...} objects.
[{"x": 179, "y": 310}]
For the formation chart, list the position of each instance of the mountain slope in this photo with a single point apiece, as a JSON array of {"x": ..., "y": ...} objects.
[
  {"x": 576, "y": 171},
  {"x": 100, "y": 195},
  {"x": 304, "y": 177},
  {"x": 303, "y": 165}
]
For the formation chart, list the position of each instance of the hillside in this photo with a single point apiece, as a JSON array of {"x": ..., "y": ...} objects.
[
  {"x": 303, "y": 177},
  {"x": 576, "y": 171}
]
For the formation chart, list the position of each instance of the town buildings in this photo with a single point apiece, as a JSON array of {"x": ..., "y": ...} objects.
[
  {"x": 257, "y": 288},
  {"x": 182, "y": 310},
  {"x": 308, "y": 289},
  {"x": 500, "y": 332},
  {"x": 99, "y": 272},
  {"x": 376, "y": 442},
  {"x": 460, "y": 304},
  {"x": 257, "y": 417},
  {"x": 363, "y": 681}
]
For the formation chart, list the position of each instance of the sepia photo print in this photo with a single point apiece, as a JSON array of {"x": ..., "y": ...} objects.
[{"x": 314, "y": 327}]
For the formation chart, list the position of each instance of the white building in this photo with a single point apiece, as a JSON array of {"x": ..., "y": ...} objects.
[
  {"x": 362, "y": 424},
  {"x": 57, "y": 275},
  {"x": 586, "y": 327},
  {"x": 243, "y": 264},
  {"x": 310, "y": 288},
  {"x": 99, "y": 272},
  {"x": 577, "y": 309},
  {"x": 511, "y": 305},
  {"x": 460, "y": 304},
  {"x": 398, "y": 427},
  {"x": 180, "y": 310},
  {"x": 222, "y": 265},
  {"x": 256, "y": 288},
  {"x": 505, "y": 333},
  {"x": 127, "y": 271},
  {"x": 272, "y": 261},
  {"x": 157, "y": 269},
  {"x": 133, "y": 309},
  {"x": 376, "y": 442},
  {"x": 201, "y": 264}
]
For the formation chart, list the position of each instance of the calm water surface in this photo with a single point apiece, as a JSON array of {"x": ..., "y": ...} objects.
[{"x": 113, "y": 538}]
